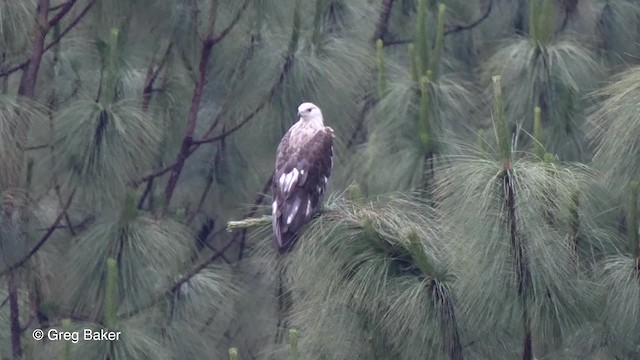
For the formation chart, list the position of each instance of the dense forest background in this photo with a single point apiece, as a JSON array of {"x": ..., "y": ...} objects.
[{"x": 483, "y": 202}]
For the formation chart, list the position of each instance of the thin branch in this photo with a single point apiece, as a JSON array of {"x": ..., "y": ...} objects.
[
  {"x": 253, "y": 211},
  {"x": 182, "y": 280},
  {"x": 29, "y": 77},
  {"x": 14, "y": 69},
  {"x": 217, "y": 254},
  {"x": 216, "y": 161},
  {"x": 369, "y": 103},
  {"x": 383, "y": 21},
  {"x": 66, "y": 214},
  {"x": 56, "y": 7},
  {"x": 237, "y": 127},
  {"x": 192, "y": 119},
  {"x": 147, "y": 191},
  {"x": 458, "y": 28},
  {"x": 450, "y": 29},
  {"x": 231, "y": 25},
  {"x": 286, "y": 67},
  {"x": 63, "y": 11},
  {"x": 42, "y": 240},
  {"x": 71, "y": 25},
  {"x": 36, "y": 147},
  {"x": 152, "y": 75},
  {"x": 63, "y": 33},
  {"x": 154, "y": 175}
]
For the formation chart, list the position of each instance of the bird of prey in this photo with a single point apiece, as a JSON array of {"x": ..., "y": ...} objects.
[{"x": 303, "y": 166}]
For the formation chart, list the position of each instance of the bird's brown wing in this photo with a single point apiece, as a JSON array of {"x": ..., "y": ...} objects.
[{"x": 300, "y": 181}]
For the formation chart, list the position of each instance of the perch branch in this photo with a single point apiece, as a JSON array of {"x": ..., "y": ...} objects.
[{"x": 248, "y": 223}]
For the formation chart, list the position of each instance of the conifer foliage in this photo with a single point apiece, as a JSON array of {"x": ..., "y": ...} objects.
[{"x": 483, "y": 203}]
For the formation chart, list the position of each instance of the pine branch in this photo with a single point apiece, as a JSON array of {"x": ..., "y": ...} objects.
[
  {"x": 42, "y": 240},
  {"x": 152, "y": 75},
  {"x": 288, "y": 64},
  {"x": 63, "y": 11},
  {"x": 231, "y": 25},
  {"x": 248, "y": 223},
  {"x": 192, "y": 119},
  {"x": 55, "y": 41}
]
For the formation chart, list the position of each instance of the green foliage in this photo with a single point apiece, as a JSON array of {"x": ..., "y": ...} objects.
[
  {"x": 148, "y": 252},
  {"x": 104, "y": 147},
  {"x": 363, "y": 260},
  {"x": 293, "y": 342},
  {"x": 554, "y": 74},
  {"x": 382, "y": 81},
  {"x": 111, "y": 296},
  {"x": 614, "y": 126},
  {"x": 16, "y": 21},
  {"x": 634, "y": 245},
  {"x": 436, "y": 240},
  {"x": 233, "y": 354}
]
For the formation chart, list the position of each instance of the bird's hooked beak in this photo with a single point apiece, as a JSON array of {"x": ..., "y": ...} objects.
[{"x": 299, "y": 116}]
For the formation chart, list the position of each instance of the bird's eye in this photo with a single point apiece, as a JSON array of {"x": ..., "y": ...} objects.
[{"x": 309, "y": 110}]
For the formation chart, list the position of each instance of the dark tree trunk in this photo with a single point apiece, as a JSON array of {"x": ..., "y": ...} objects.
[
  {"x": 28, "y": 81},
  {"x": 185, "y": 148},
  {"x": 383, "y": 21},
  {"x": 522, "y": 269},
  {"x": 452, "y": 345},
  {"x": 14, "y": 317}
]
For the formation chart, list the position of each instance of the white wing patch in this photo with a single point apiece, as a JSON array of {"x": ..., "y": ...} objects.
[
  {"x": 289, "y": 180},
  {"x": 308, "y": 211},
  {"x": 292, "y": 214}
]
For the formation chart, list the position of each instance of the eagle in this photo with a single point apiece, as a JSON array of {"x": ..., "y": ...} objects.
[{"x": 303, "y": 165}]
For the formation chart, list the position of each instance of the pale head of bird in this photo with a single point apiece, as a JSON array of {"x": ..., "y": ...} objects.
[{"x": 309, "y": 112}]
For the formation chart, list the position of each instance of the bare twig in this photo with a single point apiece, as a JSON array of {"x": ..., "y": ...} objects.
[
  {"x": 63, "y": 11},
  {"x": 369, "y": 103},
  {"x": 207, "y": 187},
  {"x": 42, "y": 240},
  {"x": 28, "y": 81},
  {"x": 450, "y": 29},
  {"x": 152, "y": 75},
  {"x": 458, "y": 28},
  {"x": 71, "y": 24},
  {"x": 184, "y": 152},
  {"x": 231, "y": 25},
  {"x": 63, "y": 33},
  {"x": 154, "y": 175},
  {"x": 286, "y": 67},
  {"x": 383, "y": 21},
  {"x": 66, "y": 214},
  {"x": 182, "y": 280},
  {"x": 253, "y": 211},
  {"x": 57, "y": 7}
]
